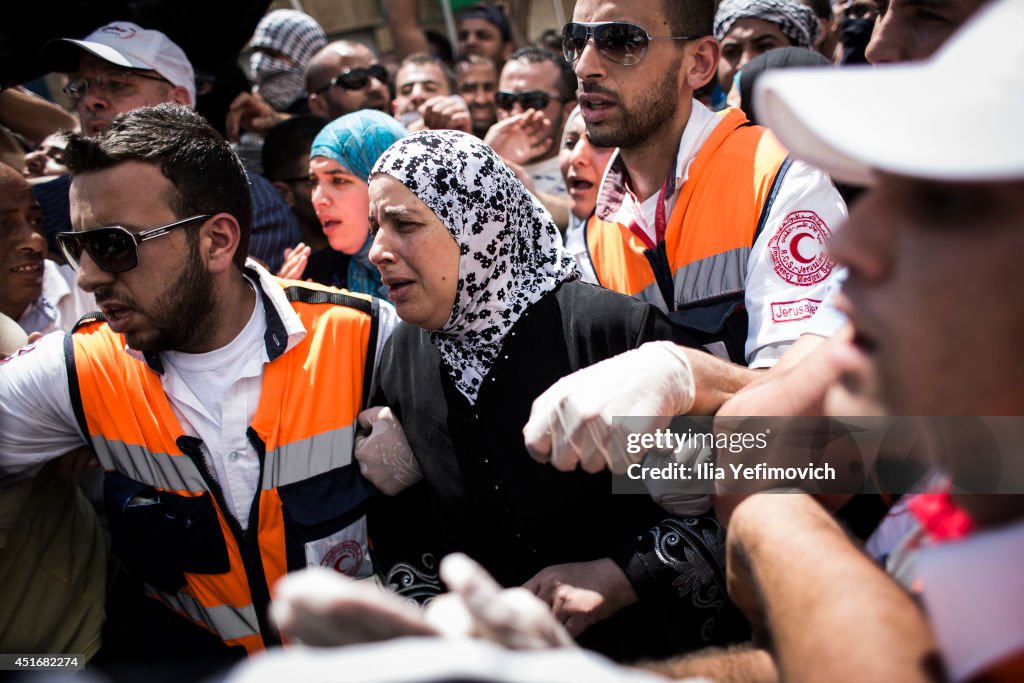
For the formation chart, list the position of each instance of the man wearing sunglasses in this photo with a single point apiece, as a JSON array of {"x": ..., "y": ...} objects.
[
  {"x": 345, "y": 77},
  {"x": 220, "y": 401},
  {"x": 534, "y": 98},
  {"x": 736, "y": 232}
]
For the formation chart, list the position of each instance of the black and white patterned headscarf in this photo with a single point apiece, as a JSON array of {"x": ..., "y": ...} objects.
[
  {"x": 511, "y": 251},
  {"x": 796, "y": 21}
]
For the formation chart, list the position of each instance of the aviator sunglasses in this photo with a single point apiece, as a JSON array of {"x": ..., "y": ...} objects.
[
  {"x": 357, "y": 78},
  {"x": 114, "y": 248},
  {"x": 530, "y": 99},
  {"x": 617, "y": 41}
]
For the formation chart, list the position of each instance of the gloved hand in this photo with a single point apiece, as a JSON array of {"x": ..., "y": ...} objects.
[
  {"x": 478, "y": 606},
  {"x": 572, "y": 421},
  {"x": 384, "y": 455},
  {"x": 681, "y": 497}
]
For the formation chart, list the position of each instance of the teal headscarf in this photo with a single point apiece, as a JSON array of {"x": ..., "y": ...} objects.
[{"x": 355, "y": 141}]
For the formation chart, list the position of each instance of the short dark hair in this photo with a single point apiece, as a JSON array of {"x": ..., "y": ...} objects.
[
  {"x": 206, "y": 175},
  {"x": 492, "y": 14},
  {"x": 567, "y": 82},
  {"x": 690, "y": 17},
  {"x": 422, "y": 58},
  {"x": 287, "y": 140}
]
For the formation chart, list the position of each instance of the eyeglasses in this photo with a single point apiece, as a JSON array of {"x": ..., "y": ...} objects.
[
  {"x": 618, "y": 41},
  {"x": 76, "y": 88},
  {"x": 357, "y": 78},
  {"x": 530, "y": 99},
  {"x": 115, "y": 249}
]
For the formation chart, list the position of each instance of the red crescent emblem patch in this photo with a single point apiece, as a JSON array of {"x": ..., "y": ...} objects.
[
  {"x": 346, "y": 557},
  {"x": 799, "y": 249}
]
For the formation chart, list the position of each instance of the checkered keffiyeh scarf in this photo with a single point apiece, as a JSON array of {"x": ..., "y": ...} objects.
[
  {"x": 796, "y": 21},
  {"x": 290, "y": 32}
]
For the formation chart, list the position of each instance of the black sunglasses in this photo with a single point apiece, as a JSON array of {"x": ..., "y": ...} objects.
[
  {"x": 531, "y": 99},
  {"x": 357, "y": 78},
  {"x": 618, "y": 41},
  {"x": 115, "y": 248}
]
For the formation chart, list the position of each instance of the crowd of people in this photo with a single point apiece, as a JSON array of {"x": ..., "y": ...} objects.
[{"x": 337, "y": 384}]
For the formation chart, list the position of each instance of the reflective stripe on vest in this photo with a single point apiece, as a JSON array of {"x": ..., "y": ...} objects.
[
  {"x": 175, "y": 473},
  {"x": 707, "y": 278},
  {"x": 293, "y": 462},
  {"x": 230, "y": 623},
  {"x": 303, "y": 428},
  {"x": 712, "y": 226}
]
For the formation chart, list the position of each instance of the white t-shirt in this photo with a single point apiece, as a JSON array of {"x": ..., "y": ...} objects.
[{"x": 37, "y": 421}]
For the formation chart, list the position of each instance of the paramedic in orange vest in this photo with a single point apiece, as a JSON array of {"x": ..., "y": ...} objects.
[
  {"x": 220, "y": 401},
  {"x": 698, "y": 213}
]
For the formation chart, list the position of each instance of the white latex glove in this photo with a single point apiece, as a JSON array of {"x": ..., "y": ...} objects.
[
  {"x": 478, "y": 606},
  {"x": 684, "y": 498},
  {"x": 571, "y": 422},
  {"x": 384, "y": 455},
  {"x": 325, "y": 608}
]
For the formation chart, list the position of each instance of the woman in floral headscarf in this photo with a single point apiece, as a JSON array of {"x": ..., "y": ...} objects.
[
  {"x": 339, "y": 167},
  {"x": 493, "y": 314}
]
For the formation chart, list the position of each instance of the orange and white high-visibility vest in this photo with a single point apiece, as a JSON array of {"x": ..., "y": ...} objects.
[
  {"x": 168, "y": 516},
  {"x": 697, "y": 273}
]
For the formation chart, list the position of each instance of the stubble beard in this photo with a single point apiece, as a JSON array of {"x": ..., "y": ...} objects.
[
  {"x": 183, "y": 315},
  {"x": 645, "y": 117}
]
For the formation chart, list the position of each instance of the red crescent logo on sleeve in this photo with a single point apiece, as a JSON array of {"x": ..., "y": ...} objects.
[
  {"x": 799, "y": 249},
  {"x": 794, "y": 245}
]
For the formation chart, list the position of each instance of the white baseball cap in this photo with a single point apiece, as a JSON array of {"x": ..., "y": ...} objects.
[
  {"x": 130, "y": 46},
  {"x": 957, "y": 117}
]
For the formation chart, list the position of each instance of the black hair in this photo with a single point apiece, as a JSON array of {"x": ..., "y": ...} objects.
[
  {"x": 566, "y": 75},
  {"x": 287, "y": 140},
  {"x": 205, "y": 173},
  {"x": 690, "y": 17},
  {"x": 426, "y": 58}
]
